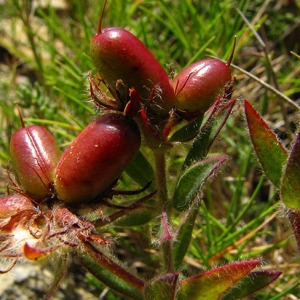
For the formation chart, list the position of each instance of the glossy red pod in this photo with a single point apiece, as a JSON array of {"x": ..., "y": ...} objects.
[
  {"x": 119, "y": 55},
  {"x": 197, "y": 86},
  {"x": 34, "y": 155},
  {"x": 96, "y": 158}
]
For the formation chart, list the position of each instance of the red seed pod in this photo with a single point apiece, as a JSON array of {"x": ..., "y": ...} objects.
[
  {"x": 34, "y": 154},
  {"x": 13, "y": 204},
  {"x": 96, "y": 158},
  {"x": 198, "y": 86},
  {"x": 120, "y": 56}
]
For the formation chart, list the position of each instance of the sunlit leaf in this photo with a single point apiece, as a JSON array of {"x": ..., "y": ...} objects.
[
  {"x": 250, "y": 284},
  {"x": 270, "y": 152},
  {"x": 213, "y": 284}
]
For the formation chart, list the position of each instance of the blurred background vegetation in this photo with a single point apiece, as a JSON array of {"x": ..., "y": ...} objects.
[{"x": 44, "y": 62}]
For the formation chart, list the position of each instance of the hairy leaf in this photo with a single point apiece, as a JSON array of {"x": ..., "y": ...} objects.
[
  {"x": 250, "y": 284},
  {"x": 111, "y": 273},
  {"x": 184, "y": 235},
  {"x": 214, "y": 283},
  {"x": 192, "y": 179},
  {"x": 187, "y": 132},
  {"x": 208, "y": 133},
  {"x": 269, "y": 150}
]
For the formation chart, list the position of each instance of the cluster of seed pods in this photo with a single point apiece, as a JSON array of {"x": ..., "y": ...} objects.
[
  {"x": 39, "y": 214},
  {"x": 145, "y": 99},
  {"x": 123, "y": 62},
  {"x": 88, "y": 167}
]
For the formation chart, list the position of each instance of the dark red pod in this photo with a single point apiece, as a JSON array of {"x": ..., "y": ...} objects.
[
  {"x": 119, "y": 55},
  {"x": 96, "y": 158},
  {"x": 34, "y": 155},
  {"x": 197, "y": 86}
]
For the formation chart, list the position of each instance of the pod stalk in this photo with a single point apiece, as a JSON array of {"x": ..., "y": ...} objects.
[
  {"x": 232, "y": 52},
  {"x": 101, "y": 17}
]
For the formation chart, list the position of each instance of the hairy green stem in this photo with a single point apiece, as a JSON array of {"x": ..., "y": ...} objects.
[
  {"x": 161, "y": 182},
  {"x": 162, "y": 194}
]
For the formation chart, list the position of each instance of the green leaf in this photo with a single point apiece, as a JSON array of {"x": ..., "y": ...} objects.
[
  {"x": 140, "y": 170},
  {"x": 213, "y": 284},
  {"x": 187, "y": 131},
  {"x": 137, "y": 218},
  {"x": 163, "y": 287},
  {"x": 269, "y": 150},
  {"x": 290, "y": 184},
  {"x": 192, "y": 179},
  {"x": 140, "y": 212},
  {"x": 250, "y": 284},
  {"x": 208, "y": 133},
  {"x": 111, "y": 274},
  {"x": 184, "y": 235}
]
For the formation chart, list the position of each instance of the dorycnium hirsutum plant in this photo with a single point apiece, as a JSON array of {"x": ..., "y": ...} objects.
[{"x": 61, "y": 203}]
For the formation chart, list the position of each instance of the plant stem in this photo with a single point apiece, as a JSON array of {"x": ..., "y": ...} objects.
[
  {"x": 161, "y": 182},
  {"x": 162, "y": 193}
]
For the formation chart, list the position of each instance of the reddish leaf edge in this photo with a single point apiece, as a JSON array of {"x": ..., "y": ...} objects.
[{"x": 251, "y": 264}]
